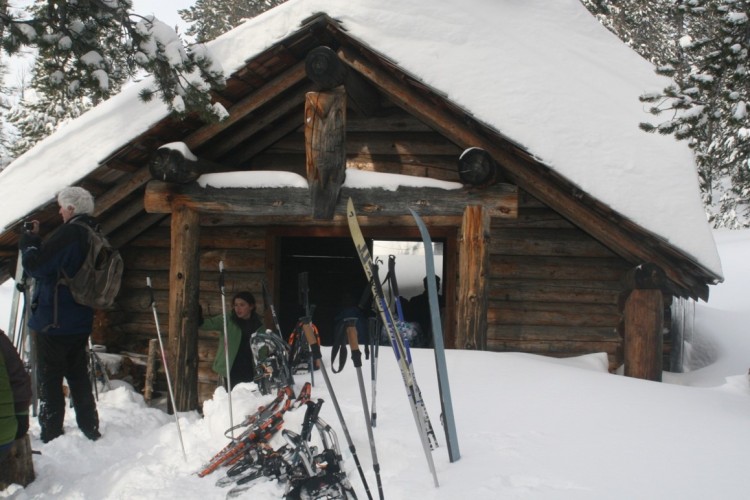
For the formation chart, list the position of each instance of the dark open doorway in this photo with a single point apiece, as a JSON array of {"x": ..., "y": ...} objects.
[{"x": 333, "y": 270}]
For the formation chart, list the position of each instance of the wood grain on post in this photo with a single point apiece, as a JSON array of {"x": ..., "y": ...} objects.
[{"x": 643, "y": 334}]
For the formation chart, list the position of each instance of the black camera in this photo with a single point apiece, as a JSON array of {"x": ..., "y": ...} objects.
[{"x": 28, "y": 226}]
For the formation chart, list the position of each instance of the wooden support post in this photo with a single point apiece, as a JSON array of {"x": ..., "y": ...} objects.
[
  {"x": 643, "y": 321},
  {"x": 148, "y": 389},
  {"x": 17, "y": 467},
  {"x": 473, "y": 267},
  {"x": 325, "y": 148},
  {"x": 184, "y": 279}
]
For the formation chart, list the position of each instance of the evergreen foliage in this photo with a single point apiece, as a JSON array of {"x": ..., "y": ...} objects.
[
  {"x": 210, "y": 18},
  {"x": 91, "y": 44},
  {"x": 703, "y": 46}
]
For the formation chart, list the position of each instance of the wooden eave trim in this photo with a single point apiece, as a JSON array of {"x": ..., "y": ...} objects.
[{"x": 244, "y": 107}]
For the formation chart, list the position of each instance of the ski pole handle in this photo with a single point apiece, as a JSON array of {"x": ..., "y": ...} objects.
[
  {"x": 351, "y": 334},
  {"x": 312, "y": 341},
  {"x": 221, "y": 276},
  {"x": 150, "y": 290}
]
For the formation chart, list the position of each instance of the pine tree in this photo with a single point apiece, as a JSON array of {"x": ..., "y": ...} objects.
[
  {"x": 703, "y": 46},
  {"x": 5, "y": 140},
  {"x": 43, "y": 110},
  {"x": 647, "y": 26},
  {"x": 211, "y": 18},
  {"x": 707, "y": 105},
  {"x": 92, "y": 43}
]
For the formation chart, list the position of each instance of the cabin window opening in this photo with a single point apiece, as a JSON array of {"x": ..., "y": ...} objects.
[{"x": 410, "y": 265}]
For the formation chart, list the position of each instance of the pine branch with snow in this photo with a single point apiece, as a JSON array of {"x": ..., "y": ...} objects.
[{"x": 90, "y": 43}]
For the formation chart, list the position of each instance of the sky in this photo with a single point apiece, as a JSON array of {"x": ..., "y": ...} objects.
[
  {"x": 566, "y": 90},
  {"x": 164, "y": 10},
  {"x": 528, "y": 426}
]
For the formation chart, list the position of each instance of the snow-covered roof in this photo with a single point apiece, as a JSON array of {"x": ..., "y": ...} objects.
[{"x": 545, "y": 74}]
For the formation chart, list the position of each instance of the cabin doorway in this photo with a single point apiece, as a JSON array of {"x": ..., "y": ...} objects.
[
  {"x": 335, "y": 275},
  {"x": 333, "y": 271}
]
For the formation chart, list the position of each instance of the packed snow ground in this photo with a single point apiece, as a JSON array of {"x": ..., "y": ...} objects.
[{"x": 528, "y": 426}]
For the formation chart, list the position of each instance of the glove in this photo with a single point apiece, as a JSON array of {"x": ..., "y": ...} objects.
[
  {"x": 200, "y": 314},
  {"x": 23, "y": 425}
]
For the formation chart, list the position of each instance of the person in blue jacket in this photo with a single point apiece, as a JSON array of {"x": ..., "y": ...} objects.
[
  {"x": 60, "y": 326},
  {"x": 15, "y": 396}
]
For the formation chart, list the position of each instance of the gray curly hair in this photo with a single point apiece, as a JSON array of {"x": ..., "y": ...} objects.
[{"x": 81, "y": 200}]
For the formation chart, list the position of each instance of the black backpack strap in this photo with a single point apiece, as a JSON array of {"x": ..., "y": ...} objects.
[{"x": 339, "y": 347}]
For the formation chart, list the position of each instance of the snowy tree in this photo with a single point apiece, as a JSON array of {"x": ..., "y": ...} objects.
[
  {"x": 5, "y": 140},
  {"x": 84, "y": 37},
  {"x": 647, "y": 26},
  {"x": 703, "y": 46},
  {"x": 707, "y": 105},
  {"x": 42, "y": 110},
  {"x": 210, "y": 18}
]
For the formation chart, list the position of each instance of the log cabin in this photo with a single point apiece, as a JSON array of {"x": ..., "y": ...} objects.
[{"x": 540, "y": 253}]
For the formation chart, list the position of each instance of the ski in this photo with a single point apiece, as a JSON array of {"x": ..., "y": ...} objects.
[
  {"x": 421, "y": 418},
  {"x": 446, "y": 403},
  {"x": 19, "y": 284}
]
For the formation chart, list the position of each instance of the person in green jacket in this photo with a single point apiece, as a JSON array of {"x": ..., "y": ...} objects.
[
  {"x": 15, "y": 396},
  {"x": 241, "y": 324}
]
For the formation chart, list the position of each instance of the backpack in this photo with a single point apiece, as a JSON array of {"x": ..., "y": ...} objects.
[{"x": 97, "y": 282}]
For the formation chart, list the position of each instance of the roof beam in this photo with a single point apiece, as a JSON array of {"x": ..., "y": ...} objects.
[
  {"x": 244, "y": 107},
  {"x": 294, "y": 205}
]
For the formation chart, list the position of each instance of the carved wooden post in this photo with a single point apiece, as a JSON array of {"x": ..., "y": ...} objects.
[
  {"x": 325, "y": 141},
  {"x": 473, "y": 266},
  {"x": 184, "y": 281},
  {"x": 643, "y": 315}
]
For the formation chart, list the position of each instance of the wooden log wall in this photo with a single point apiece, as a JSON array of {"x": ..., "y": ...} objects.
[
  {"x": 553, "y": 289},
  {"x": 392, "y": 142},
  {"x": 131, "y": 326}
]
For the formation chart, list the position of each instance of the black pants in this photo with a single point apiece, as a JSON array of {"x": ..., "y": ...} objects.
[{"x": 58, "y": 357}]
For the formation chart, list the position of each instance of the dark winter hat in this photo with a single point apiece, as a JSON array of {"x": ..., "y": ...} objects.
[{"x": 246, "y": 296}]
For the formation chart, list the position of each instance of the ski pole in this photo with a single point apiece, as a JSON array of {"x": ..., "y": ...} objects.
[
  {"x": 315, "y": 348},
  {"x": 226, "y": 343},
  {"x": 92, "y": 375},
  {"x": 303, "y": 287},
  {"x": 166, "y": 366},
  {"x": 268, "y": 302},
  {"x": 351, "y": 332},
  {"x": 374, "y": 328}
]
